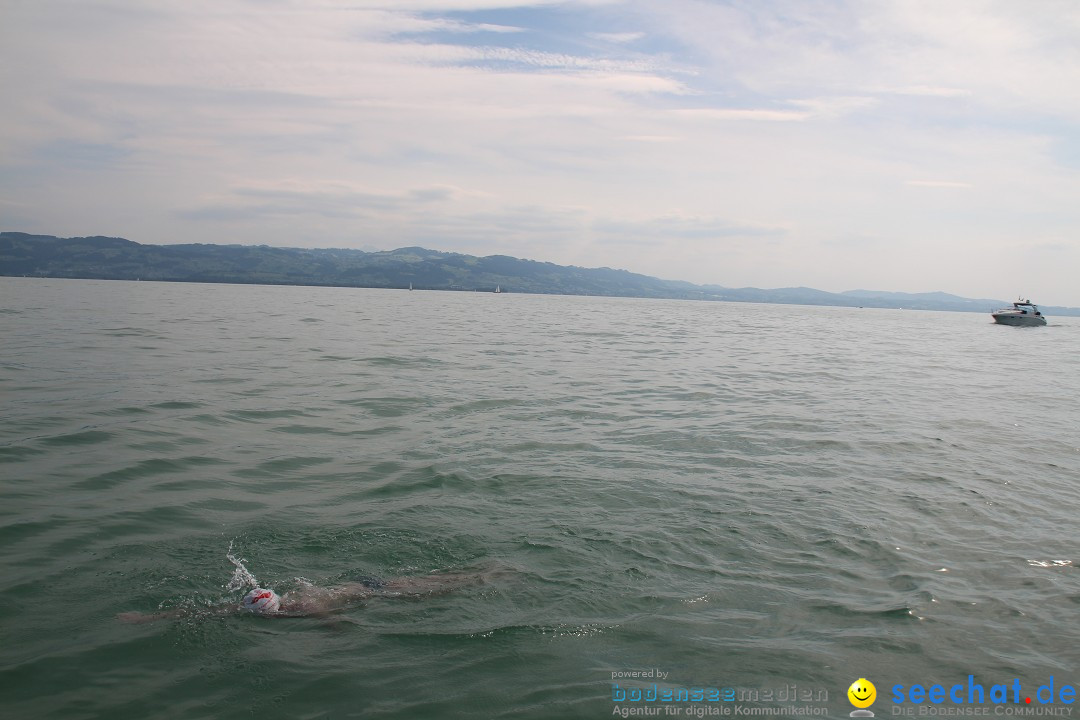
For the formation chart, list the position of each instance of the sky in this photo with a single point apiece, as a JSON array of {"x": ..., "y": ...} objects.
[{"x": 900, "y": 145}]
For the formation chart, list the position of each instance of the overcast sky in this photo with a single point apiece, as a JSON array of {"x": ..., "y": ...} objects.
[{"x": 893, "y": 145}]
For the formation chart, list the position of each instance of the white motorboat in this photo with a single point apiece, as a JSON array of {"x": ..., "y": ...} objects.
[{"x": 1023, "y": 312}]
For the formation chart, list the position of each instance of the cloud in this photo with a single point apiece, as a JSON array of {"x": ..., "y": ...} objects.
[
  {"x": 620, "y": 38},
  {"x": 928, "y": 90},
  {"x": 434, "y": 193},
  {"x": 651, "y": 138},
  {"x": 752, "y": 114},
  {"x": 680, "y": 226},
  {"x": 382, "y": 23},
  {"x": 547, "y": 60},
  {"x": 313, "y": 200},
  {"x": 802, "y": 110},
  {"x": 835, "y": 106},
  {"x": 447, "y": 5},
  {"x": 937, "y": 183}
]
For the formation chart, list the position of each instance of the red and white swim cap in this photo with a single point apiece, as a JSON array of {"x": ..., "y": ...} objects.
[{"x": 261, "y": 600}]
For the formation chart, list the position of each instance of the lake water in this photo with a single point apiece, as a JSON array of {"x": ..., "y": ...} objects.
[{"x": 744, "y": 497}]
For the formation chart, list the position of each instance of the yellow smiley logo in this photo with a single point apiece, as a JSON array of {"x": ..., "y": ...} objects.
[{"x": 862, "y": 693}]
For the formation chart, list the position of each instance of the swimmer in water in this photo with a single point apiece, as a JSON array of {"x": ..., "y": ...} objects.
[{"x": 312, "y": 601}]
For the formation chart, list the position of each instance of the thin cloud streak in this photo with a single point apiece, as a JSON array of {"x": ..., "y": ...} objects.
[{"x": 938, "y": 184}]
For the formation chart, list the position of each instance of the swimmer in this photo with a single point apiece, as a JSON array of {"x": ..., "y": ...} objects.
[{"x": 312, "y": 601}]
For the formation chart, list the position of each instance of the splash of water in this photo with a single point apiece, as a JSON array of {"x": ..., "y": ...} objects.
[
  {"x": 242, "y": 577},
  {"x": 1050, "y": 563}
]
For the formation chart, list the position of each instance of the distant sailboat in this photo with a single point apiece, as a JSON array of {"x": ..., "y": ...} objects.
[
  {"x": 410, "y": 286},
  {"x": 498, "y": 288}
]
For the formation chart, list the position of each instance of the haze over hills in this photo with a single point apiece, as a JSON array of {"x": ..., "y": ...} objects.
[{"x": 23, "y": 254}]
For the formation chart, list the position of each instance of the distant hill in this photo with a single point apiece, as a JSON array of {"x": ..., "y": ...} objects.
[{"x": 118, "y": 259}]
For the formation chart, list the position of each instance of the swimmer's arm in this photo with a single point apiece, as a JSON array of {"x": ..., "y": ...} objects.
[
  {"x": 138, "y": 618},
  {"x": 433, "y": 584}
]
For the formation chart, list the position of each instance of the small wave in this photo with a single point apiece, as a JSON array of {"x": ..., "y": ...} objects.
[
  {"x": 281, "y": 466},
  {"x": 333, "y": 432},
  {"x": 897, "y": 612},
  {"x": 386, "y": 406},
  {"x": 207, "y": 419},
  {"x": 481, "y": 406},
  {"x": 177, "y": 405},
  {"x": 421, "y": 479},
  {"x": 87, "y": 437},
  {"x": 389, "y": 361},
  {"x": 128, "y": 332},
  {"x": 144, "y": 468},
  {"x": 18, "y": 454},
  {"x": 264, "y": 414},
  {"x": 121, "y": 412}
]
